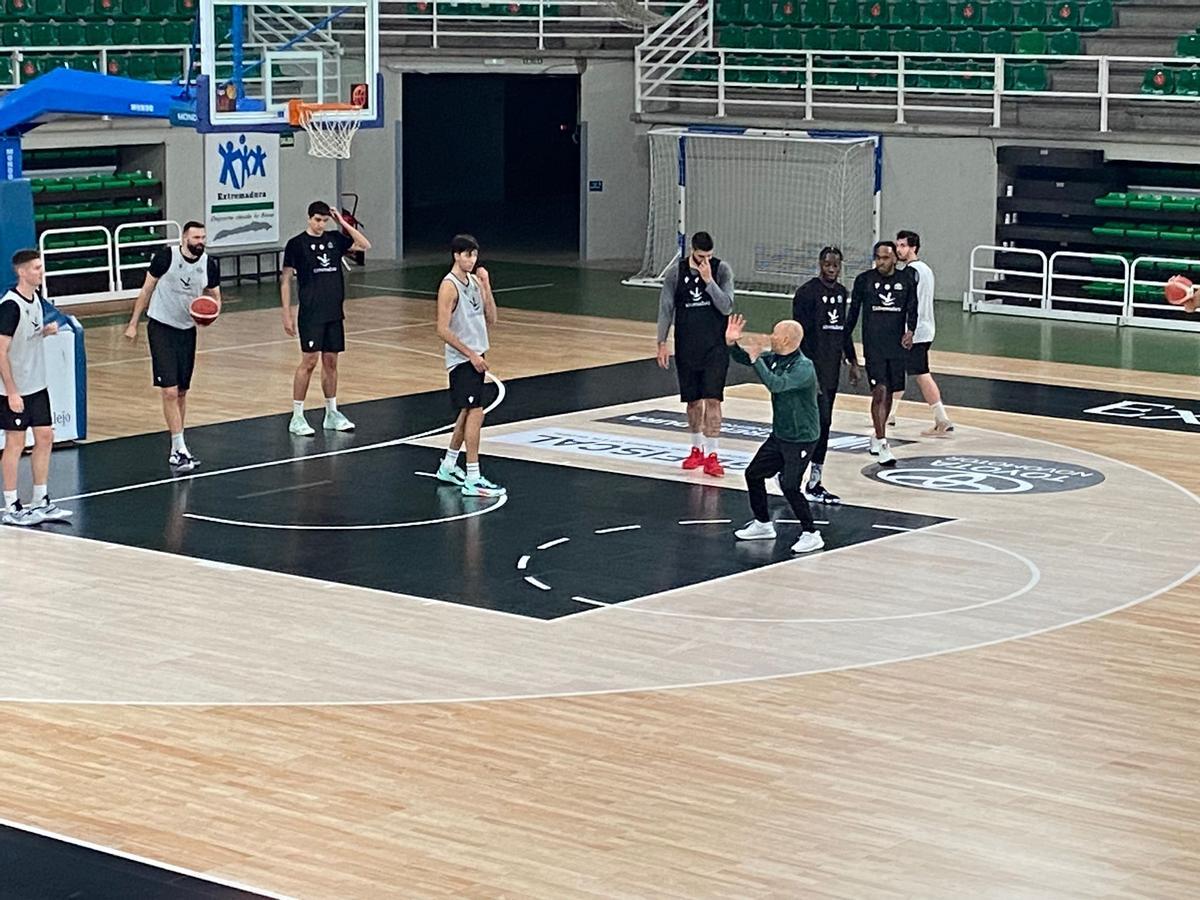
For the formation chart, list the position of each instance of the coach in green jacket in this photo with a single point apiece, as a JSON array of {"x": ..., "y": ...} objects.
[{"x": 795, "y": 427}]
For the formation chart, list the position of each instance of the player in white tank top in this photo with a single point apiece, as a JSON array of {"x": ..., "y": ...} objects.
[
  {"x": 24, "y": 397},
  {"x": 466, "y": 308}
]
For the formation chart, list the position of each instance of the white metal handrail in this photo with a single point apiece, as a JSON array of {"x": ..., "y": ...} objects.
[
  {"x": 172, "y": 234},
  {"x": 1158, "y": 314},
  {"x": 979, "y": 293},
  {"x": 1056, "y": 300},
  {"x": 49, "y": 253}
]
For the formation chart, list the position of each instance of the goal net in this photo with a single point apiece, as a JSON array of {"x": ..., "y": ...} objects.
[{"x": 770, "y": 199}]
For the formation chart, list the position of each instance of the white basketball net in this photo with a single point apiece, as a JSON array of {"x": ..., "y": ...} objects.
[{"x": 329, "y": 133}]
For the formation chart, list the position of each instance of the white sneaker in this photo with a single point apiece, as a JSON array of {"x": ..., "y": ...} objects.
[
  {"x": 50, "y": 511},
  {"x": 20, "y": 515},
  {"x": 876, "y": 443},
  {"x": 939, "y": 429},
  {"x": 886, "y": 458},
  {"x": 180, "y": 461},
  {"x": 299, "y": 426},
  {"x": 481, "y": 487},
  {"x": 809, "y": 541},
  {"x": 335, "y": 421},
  {"x": 756, "y": 531},
  {"x": 453, "y": 476}
]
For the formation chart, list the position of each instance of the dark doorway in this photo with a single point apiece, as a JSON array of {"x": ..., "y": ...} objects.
[{"x": 493, "y": 155}]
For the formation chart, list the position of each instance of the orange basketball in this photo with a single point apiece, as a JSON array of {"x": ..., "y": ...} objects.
[
  {"x": 1177, "y": 290},
  {"x": 204, "y": 310}
]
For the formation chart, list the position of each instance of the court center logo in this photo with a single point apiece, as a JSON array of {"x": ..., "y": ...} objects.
[{"x": 986, "y": 475}]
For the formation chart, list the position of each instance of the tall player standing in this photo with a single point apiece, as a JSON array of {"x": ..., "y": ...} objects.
[
  {"x": 697, "y": 297},
  {"x": 822, "y": 307},
  {"x": 176, "y": 277},
  {"x": 885, "y": 298},
  {"x": 314, "y": 257},
  {"x": 466, "y": 308},
  {"x": 908, "y": 249},
  {"x": 24, "y": 394}
]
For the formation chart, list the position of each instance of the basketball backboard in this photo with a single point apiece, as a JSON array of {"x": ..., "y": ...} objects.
[{"x": 255, "y": 56}]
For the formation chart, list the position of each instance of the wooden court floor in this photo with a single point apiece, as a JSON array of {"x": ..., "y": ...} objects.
[{"x": 1060, "y": 766}]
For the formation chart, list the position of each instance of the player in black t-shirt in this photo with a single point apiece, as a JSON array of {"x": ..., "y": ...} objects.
[
  {"x": 315, "y": 258},
  {"x": 886, "y": 299},
  {"x": 822, "y": 307}
]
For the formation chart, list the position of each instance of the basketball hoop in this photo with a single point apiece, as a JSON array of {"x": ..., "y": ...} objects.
[{"x": 330, "y": 130}]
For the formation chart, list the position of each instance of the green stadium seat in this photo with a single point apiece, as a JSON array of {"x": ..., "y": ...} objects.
[
  {"x": 757, "y": 12},
  {"x": 731, "y": 37},
  {"x": 177, "y": 33},
  {"x": 43, "y": 34},
  {"x": 759, "y": 38},
  {"x": 818, "y": 39},
  {"x": 14, "y": 34},
  {"x": 998, "y": 14},
  {"x": 877, "y": 40},
  {"x": 844, "y": 12},
  {"x": 966, "y": 14},
  {"x": 1158, "y": 80},
  {"x": 97, "y": 34},
  {"x": 134, "y": 9},
  {"x": 937, "y": 40},
  {"x": 1064, "y": 43},
  {"x": 1026, "y": 77},
  {"x": 1096, "y": 14},
  {"x": 1030, "y": 14},
  {"x": 70, "y": 34},
  {"x": 1000, "y": 43},
  {"x": 969, "y": 41},
  {"x": 935, "y": 13},
  {"x": 6, "y": 75},
  {"x": 726, "y": 11},
  {"x": 846, "y": 39},
  {"x": 750, "y": 70},
  {"x": 141, "y": 66},
  {"x": 123, "y": 34},
  {"x": 167, "y": 66},
  {"x": 697, "y": 74},
  {"x": 150, "y": 32},
  {"x": 906, "y": 13},
  {"x": 787, "y": 12},
  {"x": 81, "y": 9},
  {"x": 16, "y": 9},
  {"x": 1187, "y": 84},
  {"x": 83, "y": 62},
  {"x": 1031, "y": 43},
  {"x": 106, "y": 7},
  {"x": 907, "y": 40},
  {"x": 1065, "y": 14},
  {"x": 162, "y": 9},
  {"x": 814, "y": 12},
  {"x": 49, "y": 9},
  {"x": 787, "y": 38},
  {"x": 1113, "y": 200},
  {"x": 878, "y": 79},
  {"x": 186, "y": 8},
  {"x": 1188, "y": 45},
  {"x": 875, "y": 13}
]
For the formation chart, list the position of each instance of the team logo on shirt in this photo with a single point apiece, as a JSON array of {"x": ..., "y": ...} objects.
[
  {"x": 887, "y": 292},
  {"x": 323, "y": 257},
  {"x": 834, "y": 318}
]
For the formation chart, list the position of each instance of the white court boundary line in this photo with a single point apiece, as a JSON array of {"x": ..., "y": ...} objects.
[
  {"x": 379, "y": 445},
  {"x": 143, "y": 860},
  {"x": 680, "y": 686},
  {"x": 381, "y": 526}
]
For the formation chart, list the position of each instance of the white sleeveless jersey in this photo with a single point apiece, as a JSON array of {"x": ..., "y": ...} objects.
[
  {"x": 468, "y": 321},
  {"x": 175, "y": 291},
  {"x": 26, "y": 354}
]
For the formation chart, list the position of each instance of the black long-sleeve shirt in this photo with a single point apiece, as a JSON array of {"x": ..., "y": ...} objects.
[{"x": 824, "y": 311}]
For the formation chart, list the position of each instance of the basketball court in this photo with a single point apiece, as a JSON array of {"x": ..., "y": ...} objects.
[{"x": 309, "y": 669}]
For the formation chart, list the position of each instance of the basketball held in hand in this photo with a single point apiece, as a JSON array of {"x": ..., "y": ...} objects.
[
  {"x": 204, "y": 311},
  {"x": 1178, "y": 290}
]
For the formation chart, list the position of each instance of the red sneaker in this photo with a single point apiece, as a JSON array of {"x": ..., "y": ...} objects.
[
  {"x": 713, "y": 467},
  {"x": 696, "y": 460}
]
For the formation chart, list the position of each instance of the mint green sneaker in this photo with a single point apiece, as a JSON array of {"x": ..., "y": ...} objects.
[
  {"x": 453, "y": 476},
  {"x": 481, "y": 487}
]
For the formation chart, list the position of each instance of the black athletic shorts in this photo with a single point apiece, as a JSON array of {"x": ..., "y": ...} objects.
[
  {"x": 172, "y": 354},
  {"x": 466, "y": 387},
  {"x": 323, "y": 337},
  {"x": 35, "y": 415},
  {"x": 888, "y": 372},
  {"x": 917, "y": 362},
  {"x": 703, "y": 378}
]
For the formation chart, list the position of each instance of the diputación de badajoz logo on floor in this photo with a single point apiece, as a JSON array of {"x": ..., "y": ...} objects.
[{"x": 986, "y": 475}]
